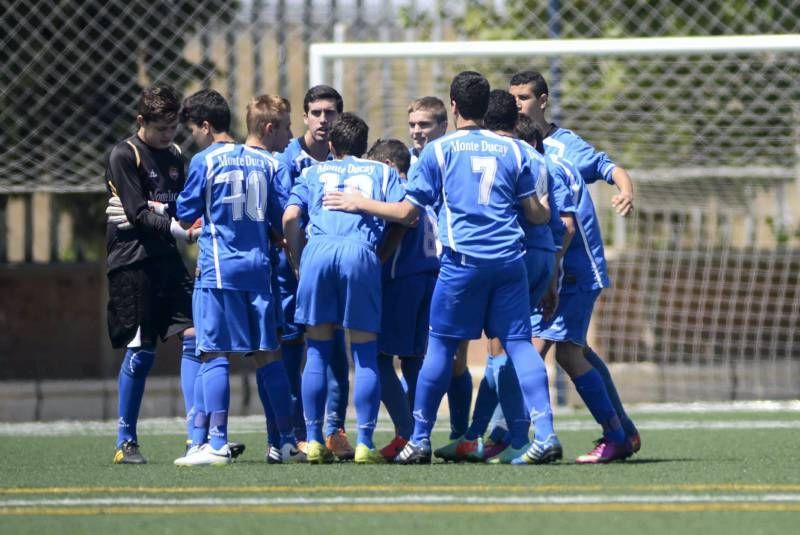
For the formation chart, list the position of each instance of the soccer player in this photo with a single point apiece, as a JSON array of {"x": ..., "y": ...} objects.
[
  {"x": 479, "y": 177},
  {"x": 340, "y": 279},
  {"x": 321, "y": 105},
  {"x": 427, "y": 120},
  {"x": 584, "y": 275},
  {"x": 232, "y": 187},
  {"x": 149, "y": 288},
  {"x": 269, "y": 130},
  {"x": 410, "y": 266}
]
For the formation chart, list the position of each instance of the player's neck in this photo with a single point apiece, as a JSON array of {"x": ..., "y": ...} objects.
[
  {"x": 504, "y": 133},
  {"x": 223, "y": 137},
  {"x": 316, "y": 149},
  {"x": 462, "y": 123},
  {"x": 253, "y": 141}
]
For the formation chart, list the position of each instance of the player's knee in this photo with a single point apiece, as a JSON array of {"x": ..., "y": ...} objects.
[
  {"x": 262, "y": 358},
  {"x": 361, "y": 337},
  {"x": 138, "y": 361}
]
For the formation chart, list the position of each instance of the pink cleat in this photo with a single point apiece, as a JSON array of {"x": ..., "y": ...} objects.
[{"x": 605, "y": 451}]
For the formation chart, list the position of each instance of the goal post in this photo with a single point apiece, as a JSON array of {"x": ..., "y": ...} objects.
[{"x": 705, "y": 296}]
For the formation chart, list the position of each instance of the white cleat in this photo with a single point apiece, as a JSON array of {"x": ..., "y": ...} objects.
[
  {"x": 291, "y": 454},
  {"x": 205, "y": 455}
]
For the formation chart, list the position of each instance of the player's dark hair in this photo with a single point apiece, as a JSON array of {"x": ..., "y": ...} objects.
[
  {"x": 470, "y": 91},
  {"x": 349, "y": 135},
  {"x": 433, "y": 105},
  {"x": 526, "y": 131},
  {"x": 501, "y": 114},
  {"x": 159, "y": 103},
  {"x": 323, "y": 92},
  {"x": 531, "y": 77},
  {"x": 393, "y": 151},
  {"x": 207, "y": 105}
]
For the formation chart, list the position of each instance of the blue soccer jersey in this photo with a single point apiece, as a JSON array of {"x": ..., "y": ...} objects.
[
  {"x": 584, "y": 260},
  {"x": 296, "y": 158},
  {"x": 233, "y": 188},
  {"x": 477, "y": 176},
  {"x": 372, "y": 179},
  {"x": 593, "y": 165},
  {"x": 417, "y": 252}
]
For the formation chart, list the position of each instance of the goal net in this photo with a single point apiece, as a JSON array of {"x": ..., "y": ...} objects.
[{"x": 705, "y": 297}]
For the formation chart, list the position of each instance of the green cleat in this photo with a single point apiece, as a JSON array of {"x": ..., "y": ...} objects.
[
  {"x": 508, "y": 455},
  {"x": 128, "y": 453},
  {"x": 449, "y": 452},
  {"x": 317, "y": 453},
  {"x": 365, "y": 455}
]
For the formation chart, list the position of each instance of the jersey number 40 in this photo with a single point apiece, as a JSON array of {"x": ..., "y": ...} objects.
[{"x": 247, "y": 196}]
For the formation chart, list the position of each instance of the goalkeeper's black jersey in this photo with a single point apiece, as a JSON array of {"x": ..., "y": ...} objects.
[{"x": 137, "y": 173}]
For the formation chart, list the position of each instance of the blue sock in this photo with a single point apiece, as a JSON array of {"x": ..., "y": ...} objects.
[
  {"x": 293, "y": 361},
  {"x": 485, "y": 403},
  {"x": 132, "y": 376},
  {"x": 434, "y": 377},
  {"x": 367, "y": 395},
  {"x": 276, "y": 385},
  {"x": 410, "y": 367},
  {"x": 598, "y": 364},
  {"x": 190, "y": 364},
  {"x": 217, "y": 395},
  {"x": 273, "y": 435},
  {"x": 592, "y": 390},
  {"x": 393, "y": 396},
  {"x": 459, "y": 398},
  {"x": 315, "y": 386},
  {"x": 338, "y": 385},
  {"x": 532, "y": 377},
  {"x": 512, "y": 402},
  {"x": 199, "y": 418}
]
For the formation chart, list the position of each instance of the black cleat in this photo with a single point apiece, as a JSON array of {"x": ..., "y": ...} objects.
[
  {"x": 415, "y": 453},
  {"x": 129, "y": 453}
]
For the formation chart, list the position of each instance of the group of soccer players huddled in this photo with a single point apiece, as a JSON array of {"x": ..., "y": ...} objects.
[{"x": 312, "y": 255}]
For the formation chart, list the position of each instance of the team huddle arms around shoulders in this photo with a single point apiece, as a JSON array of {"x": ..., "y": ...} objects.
[{"x": 315, "y": 252}]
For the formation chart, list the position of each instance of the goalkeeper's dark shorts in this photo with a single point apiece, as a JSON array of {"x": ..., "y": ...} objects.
[{"x": 148, "y": 300}]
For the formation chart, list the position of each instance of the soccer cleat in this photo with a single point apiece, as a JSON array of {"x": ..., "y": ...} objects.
[
  {"x": 635, "y": 443},
  {"x": 317, "y": 453},
  {"x": 339, "y": 446},
  {"x": 493, "y": 449},
  {"x": 470, "y": 451},
  {"x": 394, "y": 447},
  {"x": 448, "y": 451},
  {"x": 541, "y": 452},
  {"x": 128, "y": 453},
  {"x": 237, "y": 448},
  {"x": 508, "y": 454},
  {"x": 291, "y": 454},
  {"x": 273, "y": 455},
  {"x": 415, "y": 453},
  {"x": 605, "y": 451},
  {"x": 205, "y": 455},
  {"x": 366, "y": 455}
]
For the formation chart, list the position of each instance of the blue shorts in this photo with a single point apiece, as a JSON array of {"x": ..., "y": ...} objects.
[
  {"x": 406, "y": 314},
  {"x": 540, "y": 265},
  {"x": 340, "y": 283},
  {"x": 473, "y": 296},
  {"x": 570, "y": 322},
  {"x": 234, "y": 321},
  {"x": 287, "y": 285}
]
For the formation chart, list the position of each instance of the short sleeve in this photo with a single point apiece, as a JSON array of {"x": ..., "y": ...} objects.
[
  {"x": 394, "y": 191},
  {"x": 300, "y": 193},
  {"x": 425, "y": 177},
  {"x": 191, "y": 201}
]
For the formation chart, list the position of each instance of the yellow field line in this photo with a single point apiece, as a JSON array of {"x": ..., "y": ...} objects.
[
  {"x": 410, "y": 508},
  {"x": 317, "y": 489}
]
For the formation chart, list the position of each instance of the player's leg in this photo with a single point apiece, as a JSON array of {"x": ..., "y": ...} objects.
[
  {"x": 190, "y": 365},
  {"x": 631, "y": 432},
  {"x": 509, "y": 319},
  {"x": 131, "y": 326},
  {"x": 367, "y": 394},
  {"x": 466, "y": 286},
  {"x": 293, "y": 347},
  {"x": 314, "y": 388},
  {"x": 336, "y": 401}
]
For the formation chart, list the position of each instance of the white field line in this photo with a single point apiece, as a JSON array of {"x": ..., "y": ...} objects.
[
  {"x": 576, "y": 499},
  {"x": 255, "y": 424}
]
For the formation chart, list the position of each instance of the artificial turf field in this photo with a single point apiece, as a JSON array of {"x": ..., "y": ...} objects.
[{"x": 698, "y": 472}]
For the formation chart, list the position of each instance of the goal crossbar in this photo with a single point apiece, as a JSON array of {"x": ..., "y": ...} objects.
[{"x": 319, "y": 53}]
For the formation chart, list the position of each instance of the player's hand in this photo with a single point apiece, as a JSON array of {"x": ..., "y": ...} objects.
[
  {"x": 623, "y": 202},
  {"x": 549, "y": 302},
  {"x": 188, "y": 235},
  {"x": 116, "y": 214},
  {"x": 342, "y": 201},
  {"x": 158, "y": 207}
]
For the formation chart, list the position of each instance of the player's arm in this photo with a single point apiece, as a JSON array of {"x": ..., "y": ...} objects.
[
  {"x": 622, "y": 201},
  {"x": 294, "y": 235},
  {"x": 402, "y": 212},
  {"x": 123, "y": 178},
  {"x": 393, "y": 237}
]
